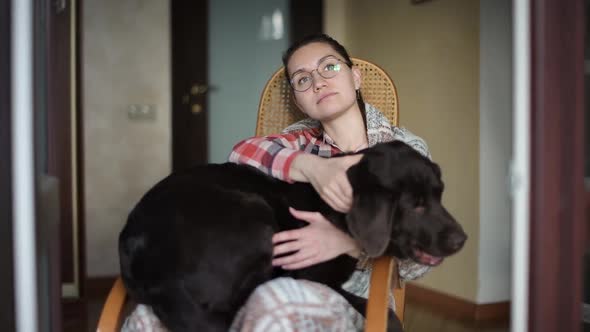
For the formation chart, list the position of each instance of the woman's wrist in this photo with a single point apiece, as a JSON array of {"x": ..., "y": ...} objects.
[{"x": 300, "y": 166}]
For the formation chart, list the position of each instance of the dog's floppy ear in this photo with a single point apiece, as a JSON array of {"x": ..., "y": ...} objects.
[
  {"x": 379, "y": 166},
  {"x": 370, "y": 221},
  {"x": 369, "y": 172}
]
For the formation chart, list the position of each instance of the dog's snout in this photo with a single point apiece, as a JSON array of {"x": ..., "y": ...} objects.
[{"x": 456, "y": 240}]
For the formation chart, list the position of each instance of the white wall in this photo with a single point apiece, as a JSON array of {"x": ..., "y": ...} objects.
[
  {"x": 126, "y": 60},
  {"x": 431, "y": 51},
  {"x": 495, "y": 102},
  {"x": 451, "y": 61}
]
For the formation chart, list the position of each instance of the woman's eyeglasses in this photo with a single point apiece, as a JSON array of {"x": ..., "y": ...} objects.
[{"x": 327, "y": 68}]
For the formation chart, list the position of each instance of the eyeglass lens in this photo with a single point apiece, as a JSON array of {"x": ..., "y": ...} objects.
[{"x": 328, "y": 68}]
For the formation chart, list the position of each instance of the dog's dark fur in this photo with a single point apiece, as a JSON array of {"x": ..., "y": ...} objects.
[{"x": 199, "y": 242}]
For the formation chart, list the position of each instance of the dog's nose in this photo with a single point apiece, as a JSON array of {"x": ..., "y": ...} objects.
[{"x": 456, "y": 240}]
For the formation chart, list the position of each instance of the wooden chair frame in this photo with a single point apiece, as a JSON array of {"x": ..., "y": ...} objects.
[{"x": 111, "y": 317}]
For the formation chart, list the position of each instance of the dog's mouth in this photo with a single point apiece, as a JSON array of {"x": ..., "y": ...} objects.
[{"x": 426, "y": 259}]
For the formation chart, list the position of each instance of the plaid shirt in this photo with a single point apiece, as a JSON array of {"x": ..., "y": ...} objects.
[{"x": 274, "y": 154}]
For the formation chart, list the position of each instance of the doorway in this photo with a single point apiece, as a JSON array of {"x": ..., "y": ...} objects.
[{"x": 223, "y": 52}]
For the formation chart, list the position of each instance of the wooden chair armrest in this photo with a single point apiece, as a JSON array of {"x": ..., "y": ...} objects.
[
  {"x": 384, "y": 273},
  {"x": 112, "y": 312}
]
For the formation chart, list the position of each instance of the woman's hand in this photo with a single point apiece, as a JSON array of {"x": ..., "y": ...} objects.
[
  {"x": 328, "y": 177},
  {"x": 315, "y": 243}
]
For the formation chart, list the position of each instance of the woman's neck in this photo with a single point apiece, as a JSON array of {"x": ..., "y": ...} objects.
[{"x": 348, "y": 130}]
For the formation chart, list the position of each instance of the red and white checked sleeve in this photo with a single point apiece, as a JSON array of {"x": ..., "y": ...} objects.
[{"x": 272, "y": 154}]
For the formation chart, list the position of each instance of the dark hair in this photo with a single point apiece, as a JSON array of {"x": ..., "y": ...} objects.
[
  {"x": 315, "y": 38},
  {"x": 336, "y": 46}
]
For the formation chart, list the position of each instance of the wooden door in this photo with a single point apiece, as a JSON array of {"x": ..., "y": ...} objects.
[
  {"x": 556, "y": 165},
  {"x": 190, "y": 87},
  {"x": 189, "y": 22}
]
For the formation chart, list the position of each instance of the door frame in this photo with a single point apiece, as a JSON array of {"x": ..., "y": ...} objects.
[
  {"x": 309, "y": 14},
  {"x": 7, "y": 310},
  {"x": 556, "y": 165}
]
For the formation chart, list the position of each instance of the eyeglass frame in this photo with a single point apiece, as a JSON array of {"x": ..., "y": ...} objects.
[{"x": 317, "y": 70}]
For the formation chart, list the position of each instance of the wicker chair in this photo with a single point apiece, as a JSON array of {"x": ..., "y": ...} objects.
[{"x": 276, "y": 111}]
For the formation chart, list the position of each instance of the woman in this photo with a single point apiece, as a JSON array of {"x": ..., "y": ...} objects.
[{"x": 326, "y": 88}]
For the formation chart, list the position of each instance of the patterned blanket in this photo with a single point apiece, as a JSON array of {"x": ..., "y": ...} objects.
[{"x": 282, "y": 304}]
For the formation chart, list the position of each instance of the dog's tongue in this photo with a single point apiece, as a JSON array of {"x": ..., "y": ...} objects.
[
  {"x": 427, "y": 259},
  {"x": 434, "y": 260}
]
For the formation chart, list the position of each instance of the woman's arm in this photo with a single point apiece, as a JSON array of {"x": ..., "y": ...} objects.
[
  {"x": 327, "y": 176},
  {"x": 272, "y": 154},
  {"x": 290, "y": 157}
]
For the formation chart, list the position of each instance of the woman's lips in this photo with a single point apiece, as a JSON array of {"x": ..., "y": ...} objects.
[{"x": 325, "y": 96}]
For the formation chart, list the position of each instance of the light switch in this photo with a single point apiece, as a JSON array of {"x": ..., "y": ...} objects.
[{"x": 141, "y": 112}]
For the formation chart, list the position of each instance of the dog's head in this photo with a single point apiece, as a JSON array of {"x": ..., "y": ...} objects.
[{"x": 397, "y": 206}]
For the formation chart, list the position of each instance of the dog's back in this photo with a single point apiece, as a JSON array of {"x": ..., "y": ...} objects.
[{"x": 190, "y": 230}]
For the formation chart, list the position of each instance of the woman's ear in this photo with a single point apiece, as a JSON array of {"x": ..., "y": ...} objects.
[{"x": 356, "y": 76}]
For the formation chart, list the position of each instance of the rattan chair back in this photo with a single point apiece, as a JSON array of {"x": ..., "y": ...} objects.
[{"x": 277, "y": 109}]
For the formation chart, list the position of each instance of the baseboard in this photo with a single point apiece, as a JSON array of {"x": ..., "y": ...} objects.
[
  {"x": 460, "y": 309},
  {"x": 98, "y": 287}
]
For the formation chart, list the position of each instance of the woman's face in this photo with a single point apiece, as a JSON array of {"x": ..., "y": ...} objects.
[{"x": 326, "y": 99}]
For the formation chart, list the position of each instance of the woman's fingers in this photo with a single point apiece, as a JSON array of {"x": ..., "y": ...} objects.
[
  {"x": 335, "y": 202},
  {"x": 346, "y": 192},
  {"x": 315, "y": 243},
  {"x": 294, "y": 259},
  {"x": 330, "y": 180},
  {"x": 286, "y": 247},
  {"x": 309, "y": 216},
  {"x": 339, "y": 195},
  {"x": 284, "y": 236}
]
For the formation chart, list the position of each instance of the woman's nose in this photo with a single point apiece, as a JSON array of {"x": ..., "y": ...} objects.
[{"x": 318, "y": 81}]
